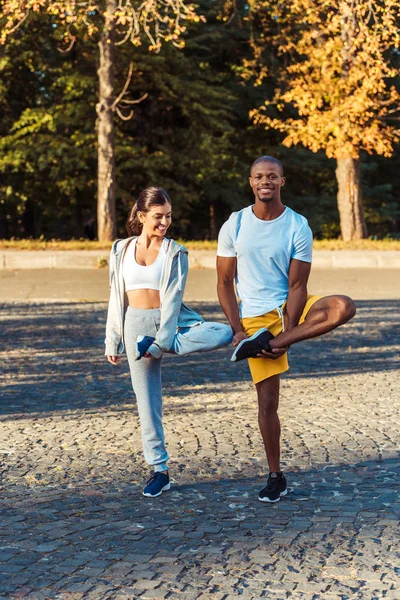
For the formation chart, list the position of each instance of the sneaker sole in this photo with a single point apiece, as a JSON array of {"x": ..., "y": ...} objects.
[
  {"x": 271, "y": 501},
  {"x": 140, "y": 338},
  {"x": 240, "y": 344},
  {"x": 164, "y": 489}
]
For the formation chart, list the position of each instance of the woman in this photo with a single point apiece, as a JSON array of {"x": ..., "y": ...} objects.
[{"x": 146, "y": 317}]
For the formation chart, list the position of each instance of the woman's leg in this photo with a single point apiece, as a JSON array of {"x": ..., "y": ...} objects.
[
  {"x": 201, "y": 338},
  {"x": 146, "y": 383}
]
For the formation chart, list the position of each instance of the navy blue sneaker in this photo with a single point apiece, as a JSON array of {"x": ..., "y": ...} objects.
[
  {"x": 157, "y": 484},
  {"x": 143, "y": 343},
  {"x": 250, "y": 347}
]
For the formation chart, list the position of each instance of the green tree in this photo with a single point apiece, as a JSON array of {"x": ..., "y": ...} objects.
[
  {"x": 185, "y": 135},
  {"x": 192, "y": 135},
  {"x": 47, "y": 136},
  {"x": 192, "y": 126},
  {"x": 114, "y": 22}
]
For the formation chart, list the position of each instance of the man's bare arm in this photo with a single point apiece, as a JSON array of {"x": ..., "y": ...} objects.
[
  {"x": 226, "y": 271},
  {"x": 299, "y": 272}
]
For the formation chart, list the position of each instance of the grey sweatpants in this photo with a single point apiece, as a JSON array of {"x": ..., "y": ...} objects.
[{"x": 146, "y": 372}]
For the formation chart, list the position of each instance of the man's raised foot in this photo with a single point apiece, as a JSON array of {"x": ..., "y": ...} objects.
[{"x": 251, "y": 346}]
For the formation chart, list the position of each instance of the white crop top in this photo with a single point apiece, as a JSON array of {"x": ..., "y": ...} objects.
[{"x": 141, "y": 277}]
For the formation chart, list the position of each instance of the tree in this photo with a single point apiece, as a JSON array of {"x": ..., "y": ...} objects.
[
  {"x": 189, "y": 136},
  {"x": 114, "y": 22},
  {"x": 47, "y": 134},
  {"x": 334, "y": 65}
]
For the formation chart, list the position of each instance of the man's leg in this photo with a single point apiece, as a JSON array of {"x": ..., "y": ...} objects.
[
  {"x": 268, "y": 419},
  {"x": 270, "y": 427},
  {"x": 324, "y": 316}
]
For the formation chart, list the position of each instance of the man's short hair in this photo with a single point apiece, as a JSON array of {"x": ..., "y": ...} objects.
[{"x": 269, "y": 159}]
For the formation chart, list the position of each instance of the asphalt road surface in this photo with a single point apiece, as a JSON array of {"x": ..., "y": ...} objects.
[{"x": 92, "y": 284}]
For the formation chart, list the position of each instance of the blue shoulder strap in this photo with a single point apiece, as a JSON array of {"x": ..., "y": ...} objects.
[{"x": 237, "y": 222}]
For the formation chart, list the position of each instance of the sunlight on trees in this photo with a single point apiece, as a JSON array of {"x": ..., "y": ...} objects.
[
  {"x": 113, "y": 22},
  {"x": 335, "y": 84}
]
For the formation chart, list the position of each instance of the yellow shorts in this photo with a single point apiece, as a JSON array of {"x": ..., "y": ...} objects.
[{"x": 262, "y": 368}]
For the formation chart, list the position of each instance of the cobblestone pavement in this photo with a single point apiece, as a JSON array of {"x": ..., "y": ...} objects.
[{"x": 75, "y": 525}]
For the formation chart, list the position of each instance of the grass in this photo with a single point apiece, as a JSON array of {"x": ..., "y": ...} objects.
[
  {"x": 29, "y": 244},
  {"x": 368, "y": 244}
]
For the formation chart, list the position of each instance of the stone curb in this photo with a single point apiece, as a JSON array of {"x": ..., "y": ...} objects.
[{"x": 204, "y": 259}]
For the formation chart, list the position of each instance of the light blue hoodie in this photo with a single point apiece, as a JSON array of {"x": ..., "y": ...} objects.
[{"x": 174, "y": 313}]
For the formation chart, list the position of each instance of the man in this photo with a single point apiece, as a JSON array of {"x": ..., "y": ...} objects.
[{"x": 266, "y": 250}]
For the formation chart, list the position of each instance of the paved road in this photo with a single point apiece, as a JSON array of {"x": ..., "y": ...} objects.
[
  {"x": 92, "y": 284},
  {"x": 74, "y": 524}
]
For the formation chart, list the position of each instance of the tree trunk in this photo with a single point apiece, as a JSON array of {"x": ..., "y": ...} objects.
[
  {"x": 352, "y": 221},
  {"x": 106, "y": 228},
  {"x": 213, "y": 221}
]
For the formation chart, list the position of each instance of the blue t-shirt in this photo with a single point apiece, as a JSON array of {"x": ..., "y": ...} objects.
[{"x": 263, "y": 250}]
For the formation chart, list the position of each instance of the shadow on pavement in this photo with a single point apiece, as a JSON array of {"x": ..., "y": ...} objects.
[
  {"x": 52, "y": 358},
  {"x": 111, "y": 536}
]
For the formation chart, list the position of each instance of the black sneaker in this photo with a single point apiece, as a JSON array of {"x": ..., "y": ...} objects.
[
  {"x": 250, "y": 347},
  {"x": 143, "y": 343},
  {"x": 275, "y": 488},
  {"x": 157, "y": 484}
]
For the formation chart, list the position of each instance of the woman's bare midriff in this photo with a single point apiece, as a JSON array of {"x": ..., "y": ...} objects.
[{"x": 144, "y": 298}]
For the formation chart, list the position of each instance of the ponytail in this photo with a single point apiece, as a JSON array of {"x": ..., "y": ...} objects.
[{"x": 133, "y": 225}]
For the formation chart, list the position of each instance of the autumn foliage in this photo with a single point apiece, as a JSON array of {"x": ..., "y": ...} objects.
[
  {"x": 338, "y": 74},
  {"x": 157, "y": 19},
  {"x": 335, "y": 89}
]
